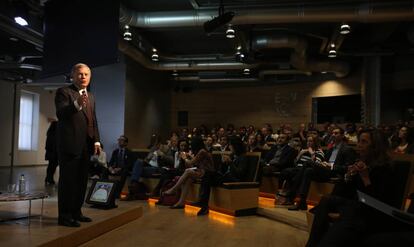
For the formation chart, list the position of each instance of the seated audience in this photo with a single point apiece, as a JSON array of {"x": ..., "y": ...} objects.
[
  {"x": 209, "y": 142},
  {"x": 223, "y": 144},
  {"x": 335, "y": 164},
  {"x": 199, "y": 162},
  {"x": 309, "y": 157},
  {"x": 351, "y": 133},
  {"x": 252, "y": 144},
  {"x": 370, "y": 174},
  {"x": 404, "y": 142},
  {"x": 261, "y": 142},
  {"x": 168, "y": 173},
  {"x": 267, "y": 133},
  {"x": 235, "y": 165},
  {"x": 280, "y": 156},
  {"x": 121, "y": 162},
  {"x": 301, "y": 134},
  {"x": 160, "y": 156}
]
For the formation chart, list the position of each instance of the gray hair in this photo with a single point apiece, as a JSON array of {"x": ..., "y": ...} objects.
[{"x": 78, "y": 66}]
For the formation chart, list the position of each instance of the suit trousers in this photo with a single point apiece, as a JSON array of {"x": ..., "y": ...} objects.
[{"x": 73, "y": 179}]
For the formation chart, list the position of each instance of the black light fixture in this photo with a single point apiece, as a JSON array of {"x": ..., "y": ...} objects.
[
  {"x": 127, "y": 34},
  {"x": 20, "y": 13},
  {"x": 222, "y": 19},
  {"x": 154, "y": 56},
  {"x": 332, "y": 53},
  {"x": 230, "y": 33},
  {"x": 345, "y": 29}
]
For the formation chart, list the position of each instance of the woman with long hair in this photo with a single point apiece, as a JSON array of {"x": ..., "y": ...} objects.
[
  {"x": 369, "y": 174},
  {"x": 404, "y": 143},
  {"x": 198, "y": 162}
]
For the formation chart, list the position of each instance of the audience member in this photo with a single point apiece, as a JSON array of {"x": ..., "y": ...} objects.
[
  {"x": 280, "y": 156},
  {"x": 198, "y": 161},
  {"x": 370, "y": 174},
  {"x": 308, "y": 157}
]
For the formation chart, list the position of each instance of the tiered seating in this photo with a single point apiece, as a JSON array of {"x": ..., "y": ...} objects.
[{"x": 238, "y": 198}]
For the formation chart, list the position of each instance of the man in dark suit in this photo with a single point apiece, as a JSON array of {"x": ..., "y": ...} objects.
[
  {"x": 121, "y": 162},
  {"x": 78, "y": 138},
  {"x": 280, "y": 156}
]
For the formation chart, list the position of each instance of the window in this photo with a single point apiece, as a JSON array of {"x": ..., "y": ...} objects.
[{"x": 28, "y": 121}]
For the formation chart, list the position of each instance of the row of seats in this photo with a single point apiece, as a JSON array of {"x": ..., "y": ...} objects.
[{"x": 241, "y": 198}]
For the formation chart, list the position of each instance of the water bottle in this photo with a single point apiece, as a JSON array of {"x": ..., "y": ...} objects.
[{"x": 22, "y": 184}]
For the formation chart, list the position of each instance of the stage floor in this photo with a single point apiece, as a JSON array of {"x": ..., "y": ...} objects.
[{"x": 46, "y": 231}]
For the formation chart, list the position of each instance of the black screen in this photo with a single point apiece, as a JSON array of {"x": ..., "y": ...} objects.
[
  {"x": 339, "y": 109},
  {"x": 79, "y": 32}
]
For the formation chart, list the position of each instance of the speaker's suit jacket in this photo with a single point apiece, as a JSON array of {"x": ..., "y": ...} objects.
[{"x": 73, "y": 124}]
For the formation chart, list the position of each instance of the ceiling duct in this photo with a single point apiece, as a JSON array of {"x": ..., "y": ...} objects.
[
  {"x": 336, "y": 12},
  {"x": 6, "y": 66},
  {"x": 298, "y": 58},
  {"x": 141, "y": 58}
]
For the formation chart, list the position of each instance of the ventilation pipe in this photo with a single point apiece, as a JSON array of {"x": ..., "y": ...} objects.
[
  {"x": 391, "y": 11},
  {"x": 141, "y": 58},
  {"x": 298, "y": 58}
]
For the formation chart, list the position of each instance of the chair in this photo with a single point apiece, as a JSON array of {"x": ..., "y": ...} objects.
[{"x": 239, "y": 198}]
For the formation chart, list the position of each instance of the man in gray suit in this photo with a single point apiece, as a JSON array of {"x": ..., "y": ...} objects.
[{"x": 78, "y": 138}]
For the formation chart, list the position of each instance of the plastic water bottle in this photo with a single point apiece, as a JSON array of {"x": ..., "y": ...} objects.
[{"x": 22, "y": 184}]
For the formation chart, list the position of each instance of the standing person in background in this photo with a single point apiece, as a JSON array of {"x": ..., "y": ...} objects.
[
  {"x": 51, "y": 152},
  {"x": 78, "y": 139}
]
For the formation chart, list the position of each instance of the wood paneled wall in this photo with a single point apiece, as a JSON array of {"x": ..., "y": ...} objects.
[
  {"x": 147, "y": 104},
  {"x": 285, "y": 103}
]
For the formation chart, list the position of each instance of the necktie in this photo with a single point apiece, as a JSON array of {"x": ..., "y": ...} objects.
[
  {"x": 121, "y": 157},
  {"x": 89, "y": 117}
]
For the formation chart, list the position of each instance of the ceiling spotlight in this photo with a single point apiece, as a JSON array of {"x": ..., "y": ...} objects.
[
  {"x": 154, "y": 57},
  {"x": 246, "y": 71},
  {"x": 154, "y": 50},
  {"x": 241, "y": 55},
  {"x": 345, "y": 29},
  {"x": 239, "y": 47},
  {"x": 230, "y": 33},
  {"x": 332, "y": 45},
  {"x": 21, "y": 21},
  {"x": 127, "y": 34},
  {"x": 332, "y": 53}
]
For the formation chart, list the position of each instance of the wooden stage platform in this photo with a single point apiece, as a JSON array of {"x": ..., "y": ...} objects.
[{"x": 46, "y": 231}]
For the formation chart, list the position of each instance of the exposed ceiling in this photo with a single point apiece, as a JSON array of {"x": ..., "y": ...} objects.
[{"x": 278, "y": 38}]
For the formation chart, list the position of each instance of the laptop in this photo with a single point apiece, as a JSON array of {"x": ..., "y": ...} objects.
[{"x": 396, "y": 213}]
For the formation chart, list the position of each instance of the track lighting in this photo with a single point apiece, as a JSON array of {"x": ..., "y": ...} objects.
[
  {"x": 230, "y": 33},
  {"x": 345, "y": 29},
  {"x": 127, "y": 33},
  {"x": 154, "y": 57},
  {"x": 21, "y": 21},
  {"x": 332, "y": 53}
]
